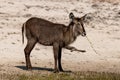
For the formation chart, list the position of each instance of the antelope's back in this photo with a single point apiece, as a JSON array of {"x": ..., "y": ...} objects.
[{"x": 44, "y": 31}]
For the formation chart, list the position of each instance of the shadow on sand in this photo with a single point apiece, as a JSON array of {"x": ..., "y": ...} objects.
[
  {"x": 40, "y": 68},
  {"x": 35, "y": 68}
]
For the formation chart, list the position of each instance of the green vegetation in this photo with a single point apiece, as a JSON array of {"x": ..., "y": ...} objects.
[{"x": 64, "y": 76}]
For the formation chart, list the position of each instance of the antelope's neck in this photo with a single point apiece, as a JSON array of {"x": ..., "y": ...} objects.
[{"x": 69, "y": 35}]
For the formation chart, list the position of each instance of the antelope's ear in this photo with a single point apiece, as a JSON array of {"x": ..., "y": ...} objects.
[
  {"x": 71, "y": 15},
  {"x": 83, "y": 18}
]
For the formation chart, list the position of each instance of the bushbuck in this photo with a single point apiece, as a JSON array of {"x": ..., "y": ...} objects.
[{"x": 47, "y": 33}]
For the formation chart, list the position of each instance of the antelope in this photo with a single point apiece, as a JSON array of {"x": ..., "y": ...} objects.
[{"x": 47, "y": 33}]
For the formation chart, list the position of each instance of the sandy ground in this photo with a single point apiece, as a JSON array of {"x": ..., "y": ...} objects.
[{"x": 102, "y": 27}]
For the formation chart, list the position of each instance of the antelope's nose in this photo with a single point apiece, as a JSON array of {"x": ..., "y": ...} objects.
[{"x": 84, "y": 34}]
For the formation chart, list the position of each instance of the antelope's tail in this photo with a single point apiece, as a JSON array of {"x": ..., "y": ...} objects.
[{"x": 23, "y": 27}]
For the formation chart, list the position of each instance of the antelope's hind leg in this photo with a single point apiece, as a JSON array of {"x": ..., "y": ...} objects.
[{"x": 30, "y": 45}]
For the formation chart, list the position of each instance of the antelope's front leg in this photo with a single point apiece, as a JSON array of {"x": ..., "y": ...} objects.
[
  {"x": 56, "y": 52},
  {"x": 59, "y": 60},
  {"x": 74, "y": 49}
]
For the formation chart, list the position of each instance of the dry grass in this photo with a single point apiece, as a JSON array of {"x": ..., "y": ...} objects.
[{"x": 63, "y": 76}]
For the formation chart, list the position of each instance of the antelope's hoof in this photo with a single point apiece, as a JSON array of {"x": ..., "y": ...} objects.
[
  {"x": 56, "y": 71},
  {"x": 29, "y": 68},
  {"x": 83, "y": 51},
  {"x": 62, "y": 70}
]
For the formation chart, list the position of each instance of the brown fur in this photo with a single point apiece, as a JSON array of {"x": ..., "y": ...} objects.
[{"x": 51, "y": 34}]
